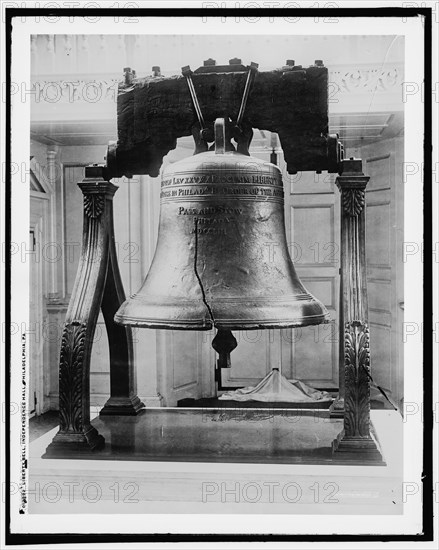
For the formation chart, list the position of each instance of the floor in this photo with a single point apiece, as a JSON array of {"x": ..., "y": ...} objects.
[{"x": 39, "y": 425}]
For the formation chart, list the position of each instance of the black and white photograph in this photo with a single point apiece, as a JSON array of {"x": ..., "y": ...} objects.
[{"x": 218, "y": 248}]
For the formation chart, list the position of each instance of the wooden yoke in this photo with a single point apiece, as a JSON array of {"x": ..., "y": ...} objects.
[{"x": 292, "y": 101}]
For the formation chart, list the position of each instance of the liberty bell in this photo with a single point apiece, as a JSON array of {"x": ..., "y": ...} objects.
[{"x": 221, "y": 258}]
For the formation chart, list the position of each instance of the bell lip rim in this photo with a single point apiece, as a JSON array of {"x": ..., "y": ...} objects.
[
  {"x": 163, "y": 300},
  {"x": 317, "y": 320}
]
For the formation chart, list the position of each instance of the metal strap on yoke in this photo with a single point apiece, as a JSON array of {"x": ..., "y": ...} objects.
[
  {"x": 186, "y": 71},
  {"x": 252, "y": 70}
]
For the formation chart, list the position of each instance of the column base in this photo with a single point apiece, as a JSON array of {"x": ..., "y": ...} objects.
[
  {"x": 122, "y": 406},
  {"x": 336, "y": 410},
  {"x": 355, "y": 448},
  {"x": 66, "y": 444}
]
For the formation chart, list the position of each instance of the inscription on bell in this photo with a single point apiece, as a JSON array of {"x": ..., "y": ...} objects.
[
  {"x": 209, "y": 210},
  {"x": 248, "y": 190},
  {"x": 227, "y": 178},
  {"x": 209, "y": 230}
]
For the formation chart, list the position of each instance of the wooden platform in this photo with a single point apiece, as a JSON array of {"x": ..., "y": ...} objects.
[
  {"x": 269, "y": 436},
  {"x": 214, "y": 402}
]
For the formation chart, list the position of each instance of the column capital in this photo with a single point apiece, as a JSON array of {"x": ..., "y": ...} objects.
[
  {"x": 352, "y": 174},
  {"x": 96, "y": 182},
  {"x": 352, "y": 185}
]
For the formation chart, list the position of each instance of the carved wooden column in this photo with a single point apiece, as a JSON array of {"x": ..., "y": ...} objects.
[
  {"x": 97, "y": 285},
  {"x": 356, "y": 439},
  {"x": 123, "y": 391}
]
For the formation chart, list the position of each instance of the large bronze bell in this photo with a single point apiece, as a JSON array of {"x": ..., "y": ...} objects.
[{"x": 221, "y": 258}]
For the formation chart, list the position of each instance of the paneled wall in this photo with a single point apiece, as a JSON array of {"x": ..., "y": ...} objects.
[
  {"x": 312, "y": 209},
  {"x": 383, "y": 162},
  {"x": 385, "y": 274}
]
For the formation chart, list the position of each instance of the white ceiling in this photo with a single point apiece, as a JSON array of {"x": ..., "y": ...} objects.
[{"x": 363, "y": 113}]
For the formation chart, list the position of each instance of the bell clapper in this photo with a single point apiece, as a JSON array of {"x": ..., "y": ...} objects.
[{"x": 224, "y": 343}]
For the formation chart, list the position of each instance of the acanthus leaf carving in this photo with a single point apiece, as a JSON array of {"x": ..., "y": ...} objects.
[
  {"x": 353, "y": 201},
  {"x": 70, "y": 376},
  {"x": 357, "y": 375},
  {"x": 94, "y": 204}
]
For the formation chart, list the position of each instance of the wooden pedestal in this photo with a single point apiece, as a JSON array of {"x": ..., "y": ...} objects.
[
  {"x": 354, "y": 398},
  {"x": 97, "y": 286}
]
